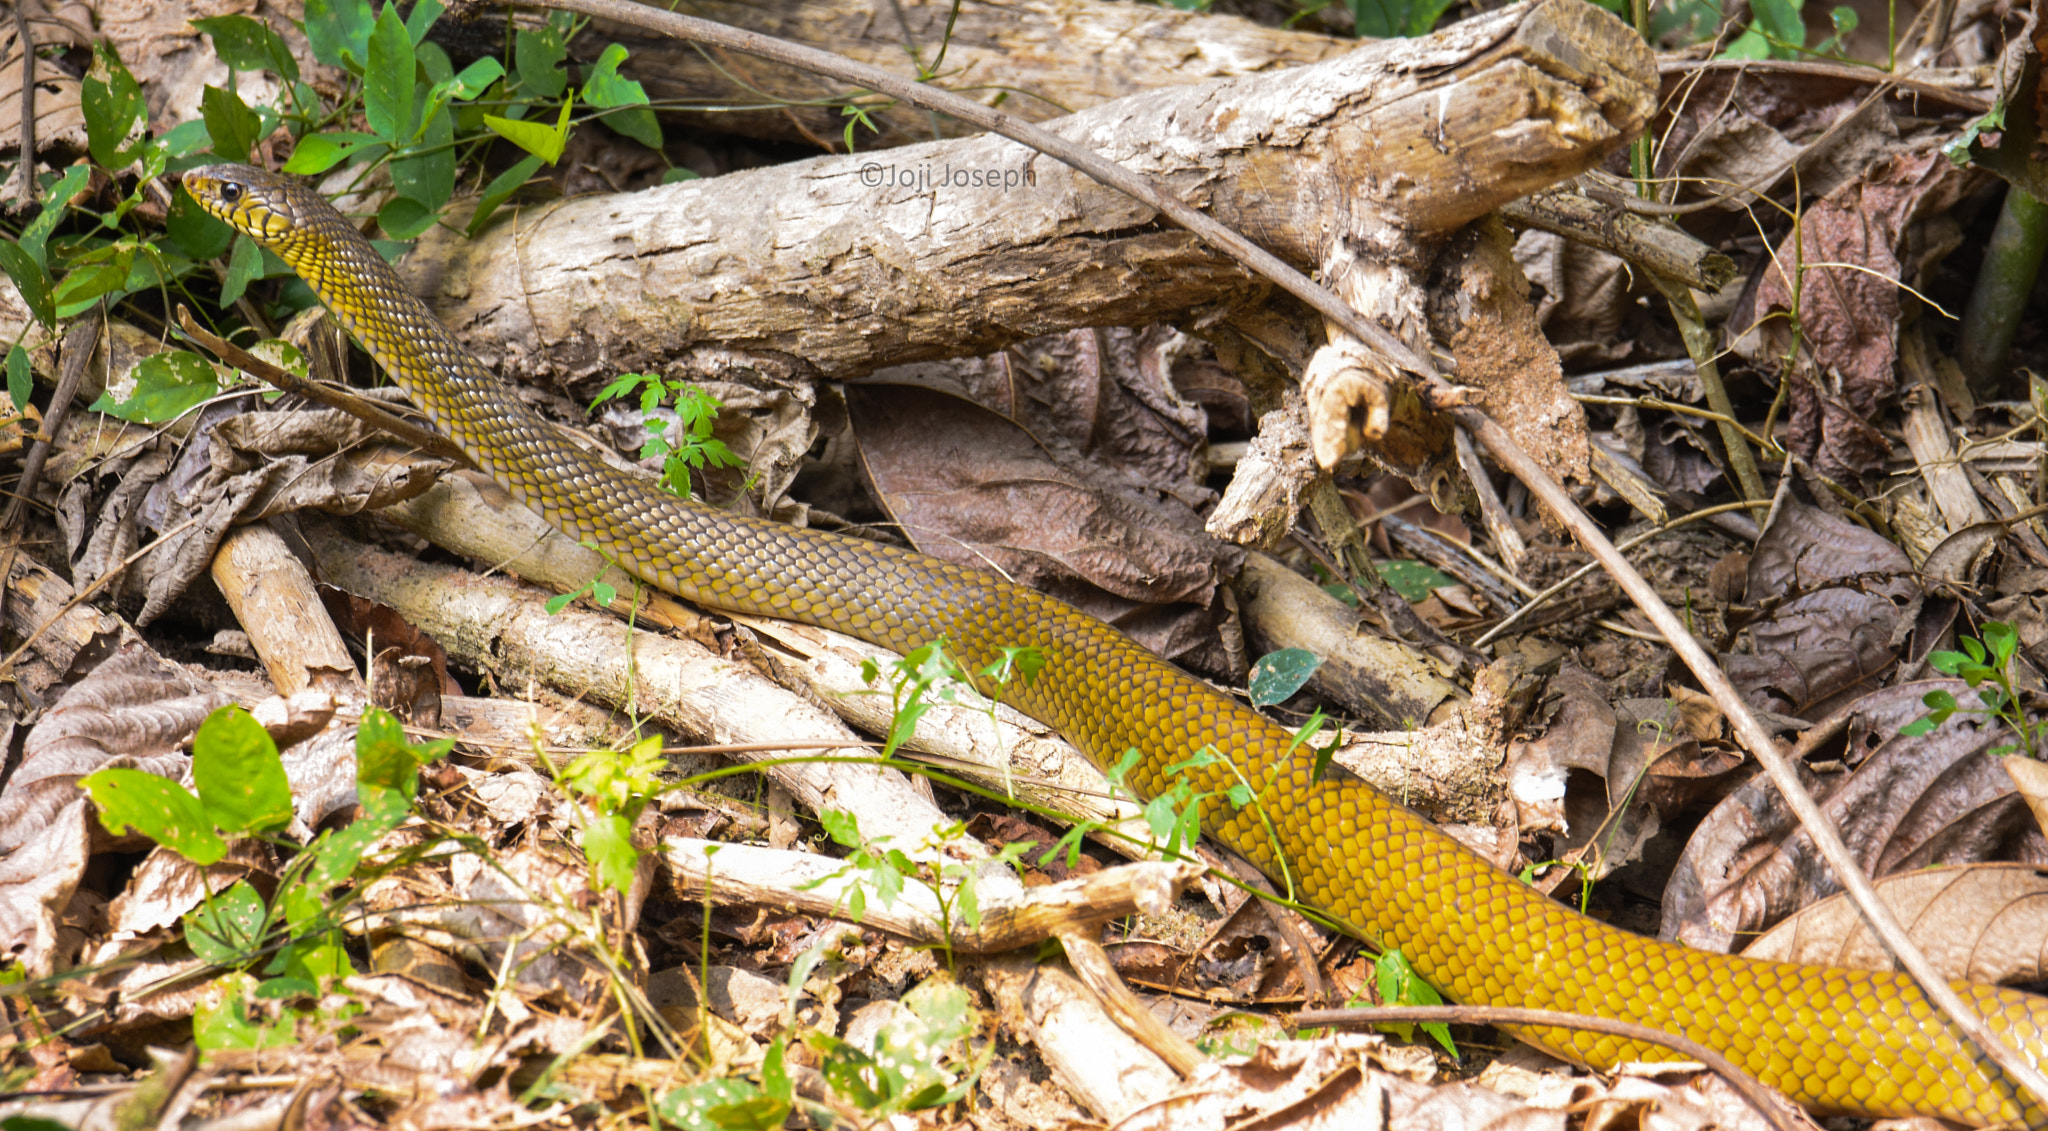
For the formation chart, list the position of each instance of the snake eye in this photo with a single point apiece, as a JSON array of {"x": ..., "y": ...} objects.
[{"x": 230, "y": 192}]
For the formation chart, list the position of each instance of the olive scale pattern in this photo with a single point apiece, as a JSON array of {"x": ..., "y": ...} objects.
[{"x": 1836, "y": 1040}]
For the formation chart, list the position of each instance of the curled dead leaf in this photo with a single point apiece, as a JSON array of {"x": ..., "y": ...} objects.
[{"x": 1976, "y": 922}]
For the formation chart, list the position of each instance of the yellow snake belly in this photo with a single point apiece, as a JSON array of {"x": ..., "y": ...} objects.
[{"x": 1836, "y": 1040}]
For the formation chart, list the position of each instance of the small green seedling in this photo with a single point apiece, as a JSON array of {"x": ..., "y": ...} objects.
[{"x": 1982, "y": 662}]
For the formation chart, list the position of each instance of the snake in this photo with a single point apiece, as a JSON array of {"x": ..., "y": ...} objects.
[{"x": 1836, "y": 1040}]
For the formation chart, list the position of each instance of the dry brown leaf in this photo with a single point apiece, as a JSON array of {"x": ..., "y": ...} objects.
[
  {"x": 969, "y": 486},
  {"x": 1839, "y": 591},
  {"x": 134, "y": 711},
  {"x": 1977, "y": 922},
  {"x": 2031, "y": 779},
  {"x": 1908, "y": 803},
  {"x": 1847, "y": 307}
]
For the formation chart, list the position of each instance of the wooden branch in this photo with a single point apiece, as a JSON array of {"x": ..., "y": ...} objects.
[
  {"x": 1097, "y": 1063},
  {"x": 750, "y": 876},
  {"x": 274, "y": 600},
  {"x": 854, "y": 262}
]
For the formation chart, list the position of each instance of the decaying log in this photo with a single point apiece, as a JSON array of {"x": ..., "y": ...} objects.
[{"x": 834, "y": 266}]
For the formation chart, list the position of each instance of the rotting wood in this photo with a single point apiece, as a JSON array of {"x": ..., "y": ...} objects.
[{"x": 806, "y": 261}]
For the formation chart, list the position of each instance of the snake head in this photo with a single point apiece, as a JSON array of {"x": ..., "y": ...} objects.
[{"x": 253, "y": 201}]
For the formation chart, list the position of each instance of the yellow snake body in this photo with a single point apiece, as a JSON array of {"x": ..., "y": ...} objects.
[{"x": 1837, "y": 1040}]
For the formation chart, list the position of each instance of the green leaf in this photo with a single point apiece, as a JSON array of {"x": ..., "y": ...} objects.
[
  {"x": 244, "y": 267},
  {"x": 20, "y": 378},
  {"x": 608, "y": 90},
  {"x": 476, "y": 78},
  {"x": 542, "y": 141},
  {"x": 317, "y": 153},
  {"x": 386, "y": 761},
  {"x": 233, "y": 127},
  {"x": 404, "y": 218},
  {"x": 81, "y": 287},
  {"x": 156, "y": 807},
  {"x": 167, "y": 385},
  {"x": 608, "y": 845},
  {"x": 1399, "y": 984},
  {"x": 421, "y": 20},
  {"x": 704, "y": 1107},
  {"x": 31, "y": 1123},
  {"x": 842, "y": 826},
  {"x": 314, "y": 959},
  {"x": 388, "y": 102},
  {"x": 1278, "y": 675},
  {"x": 226, "y": 928},
  {"x": 56, "y": 202},
  {"x": 224, "y": 1023},
  {"x": 537, "y": 58},
  {"x": 241, "y": 780},
  {"x": 2002, "y": 641},
  {"x": 500, "y": 190},
  {"x": 339, "y": 31},
  {"x": 1780, "y": 21},
  {"x": 1413, "y": 580},
  {"x": 429, "y": 177},
  {"x": 112, "y": 103},
  {"x": 30, "y": 279},
  {"x": 249, "y": 45},
  {"x": 185, "y": 139},
  {"x": 1751, "y": 44}
]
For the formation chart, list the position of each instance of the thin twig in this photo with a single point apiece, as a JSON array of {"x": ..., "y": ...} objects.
[
  {"x": 80, "y": 343},
  {"x": 1766, "y": 1102}
]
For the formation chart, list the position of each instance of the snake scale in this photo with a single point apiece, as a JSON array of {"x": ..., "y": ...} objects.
[{"x": 1836, "y": 1040}]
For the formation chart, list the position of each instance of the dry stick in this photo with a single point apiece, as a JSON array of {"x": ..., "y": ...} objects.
[
  {"x": 1699, "y": 342},
  {"x": 80, "y": 343},
  {"x": 1436, "y": 393},
  {"x": 1752, "y": 1092},
  {"x": 25, "y": 169},
  {"x": 1092, "y": 965}
]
